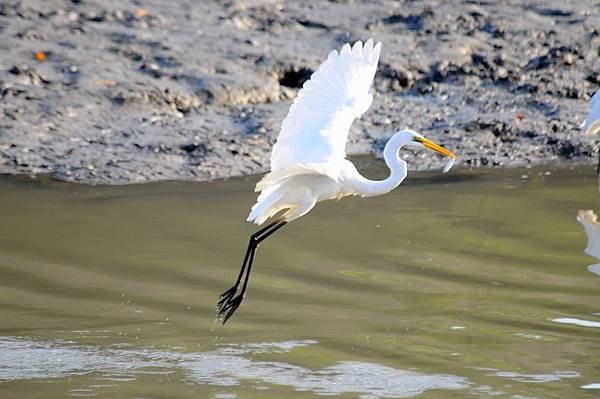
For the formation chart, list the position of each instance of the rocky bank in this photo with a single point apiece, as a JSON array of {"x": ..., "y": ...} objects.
[{"x": 111, "y": 92}]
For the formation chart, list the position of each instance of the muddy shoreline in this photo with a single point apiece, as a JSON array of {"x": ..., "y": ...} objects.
[{"x": 137, "y": 91}]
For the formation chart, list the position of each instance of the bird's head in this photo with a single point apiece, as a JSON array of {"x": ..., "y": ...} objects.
[{"x": 413, "y": 139}]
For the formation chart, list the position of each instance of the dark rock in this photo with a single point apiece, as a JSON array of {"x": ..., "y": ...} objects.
[{"x": 295, "y": 77}]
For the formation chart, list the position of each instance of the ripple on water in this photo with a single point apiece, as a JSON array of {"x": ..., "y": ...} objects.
[
  {"x": 532, "y": 378},
  {"x": 577, "y": 322},
  {"x": 82, "y": 392},
  {"x": 423, "y": 265},
  {"x": 23, "y": 358}
]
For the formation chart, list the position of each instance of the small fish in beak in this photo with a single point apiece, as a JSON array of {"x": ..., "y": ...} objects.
[{"x": 448, "y": 165}]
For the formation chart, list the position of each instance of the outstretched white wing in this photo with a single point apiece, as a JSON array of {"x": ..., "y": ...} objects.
[
  {"x": 592, "y": 122},
  {"x": 314, "y": 133}
]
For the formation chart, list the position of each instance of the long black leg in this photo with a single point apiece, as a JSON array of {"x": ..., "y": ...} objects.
[
  {"x": 598, "y": 167},
  {"x": 251, "y": 259},
  {"x": 231, "y": 292},
  {"x": 228, "y": 304}
]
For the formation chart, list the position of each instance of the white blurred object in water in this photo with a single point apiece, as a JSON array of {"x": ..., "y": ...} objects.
[{"x": 589, "y": 221}]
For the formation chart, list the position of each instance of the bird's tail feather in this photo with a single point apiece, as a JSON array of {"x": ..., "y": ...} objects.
[{"x": 265, "y": 207}]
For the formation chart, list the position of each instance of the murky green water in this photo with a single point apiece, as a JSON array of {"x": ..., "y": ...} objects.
[{"x": 471, "y": 284}]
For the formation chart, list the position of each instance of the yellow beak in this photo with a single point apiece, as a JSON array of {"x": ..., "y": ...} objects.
[{"x": 433, "y": 146}]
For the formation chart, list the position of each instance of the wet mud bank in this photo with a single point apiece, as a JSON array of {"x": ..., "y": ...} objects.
[{"x": 114, "y": 92}]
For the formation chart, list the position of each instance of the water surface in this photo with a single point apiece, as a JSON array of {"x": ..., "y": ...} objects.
[{"x": 470, "y": 284}]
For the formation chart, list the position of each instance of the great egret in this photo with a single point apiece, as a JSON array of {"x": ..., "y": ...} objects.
[
  {"x": 308, "y": 162},
  {"x": 591, "y": 125}
]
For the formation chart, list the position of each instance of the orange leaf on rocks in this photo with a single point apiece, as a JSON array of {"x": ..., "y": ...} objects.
[{"x": 40, "y": 56}]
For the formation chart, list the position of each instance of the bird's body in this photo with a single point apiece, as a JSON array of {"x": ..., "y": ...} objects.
[
  {"x": 308, "y": 162},
  {"x": 299, "y": 192}
]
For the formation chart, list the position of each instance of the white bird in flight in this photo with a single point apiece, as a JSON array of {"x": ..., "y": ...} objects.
[
  {"x": 591, "y": 125},
  {"x": 308, "y": 162}
]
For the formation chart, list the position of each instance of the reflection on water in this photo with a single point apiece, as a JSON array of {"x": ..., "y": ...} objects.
[
  {"x": 532, "y": 378},
  {"x": 595, "y": 268},
  {"x": 591, "y": 386},
  {"x": 589, "y": 221},
  {"x": 577, "y": 322},
  {"x": 23, "y": 358}
]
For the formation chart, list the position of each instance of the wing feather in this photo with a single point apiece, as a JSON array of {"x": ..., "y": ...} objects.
[{"x": 314, "y": 133}]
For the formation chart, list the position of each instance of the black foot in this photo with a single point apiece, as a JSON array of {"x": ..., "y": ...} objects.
[
  {"x": 228, "y": 301},
  {"x": 227, "y": 307},
  {"x": 226, "y": 297}
]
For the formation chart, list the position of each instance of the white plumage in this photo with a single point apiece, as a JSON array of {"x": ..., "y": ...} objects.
[
  {"x": 308, "y": 162},
  {"x": 592, "y": 122},
  {"x": 321, "y": 115},
  {"x": 313, "y": 136}
]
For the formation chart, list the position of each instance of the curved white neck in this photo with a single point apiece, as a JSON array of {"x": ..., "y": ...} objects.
[{"x": 371, "y": 188}]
